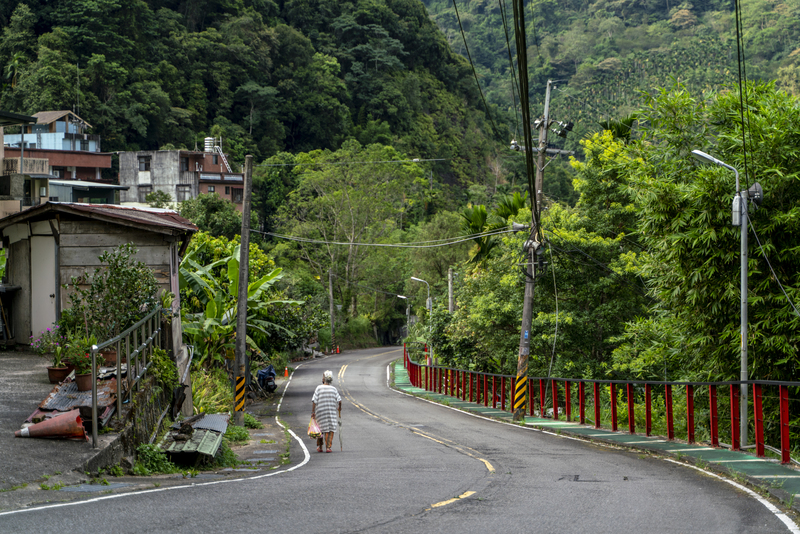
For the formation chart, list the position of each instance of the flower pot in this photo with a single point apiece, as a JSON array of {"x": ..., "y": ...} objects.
[
  {"x": 84, "y": 382},
  {"x": 58, "y": 374},
  {"x": 110, "y": 358}
]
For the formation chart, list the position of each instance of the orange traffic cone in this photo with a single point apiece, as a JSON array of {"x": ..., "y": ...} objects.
[
  {"x": 337, "y": 349},
  {"x": 66, "y": 426},
  {"x": 285, "y": 371}
]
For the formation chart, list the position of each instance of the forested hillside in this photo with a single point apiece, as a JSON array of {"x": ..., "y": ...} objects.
[
  {"x": 606, "y": 52},
  {"x": 292, "y": 76}
]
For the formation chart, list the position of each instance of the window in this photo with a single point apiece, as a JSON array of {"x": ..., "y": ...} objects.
[
  {"x": 227, "y": 190},
  {"x": 183, "y": 192},
  {"x": 215, "y": 159},
  {"x": 144, "y": 163},
  {"x": 237, "y": 195},
  {"x": 85, "y": 144},
  {"x": 184, "y": 164},
  {"x": 144, "y": 190},
  {"x": 210, "y": 188}
]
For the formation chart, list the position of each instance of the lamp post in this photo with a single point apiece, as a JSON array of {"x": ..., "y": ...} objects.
[
  {"x": 405, "y": 298},
  {"x": 428, "y": 306},
  {"x": 739, "y": 218}
]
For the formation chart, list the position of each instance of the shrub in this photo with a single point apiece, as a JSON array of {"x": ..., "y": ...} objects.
[
  {"x": 150, "y": 459},
  {"x": 211, "y": 391}
]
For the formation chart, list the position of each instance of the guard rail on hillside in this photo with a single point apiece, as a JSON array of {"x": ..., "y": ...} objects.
[
  {"x": 706, "y": 409},
  {"x": 142, "y": 338}
]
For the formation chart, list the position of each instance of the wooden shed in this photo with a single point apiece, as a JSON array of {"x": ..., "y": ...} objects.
[{"x": 49, "y": 244}]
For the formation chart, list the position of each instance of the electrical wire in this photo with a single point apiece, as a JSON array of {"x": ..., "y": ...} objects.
[
  {"x": 774, "y": 275},
  {"x": 348, "y": 162},
  {"x": 742, "y": 75},
  {"x": 364, "y": 287},
  {"x": 387, "y": 245},
  {"x": 511, "y": 69},
  {"x": 474, "y": 73}
]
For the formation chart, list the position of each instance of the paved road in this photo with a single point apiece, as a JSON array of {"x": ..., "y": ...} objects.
[{"x": 411, "y": 466}]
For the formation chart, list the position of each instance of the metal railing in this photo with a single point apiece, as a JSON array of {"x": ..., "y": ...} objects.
[
  {"x": 705, "y": 409},
  {"x": 142, "y": 337}
]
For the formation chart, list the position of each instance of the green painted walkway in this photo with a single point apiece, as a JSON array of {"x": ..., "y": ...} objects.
[{"x": 768, "y": 474}]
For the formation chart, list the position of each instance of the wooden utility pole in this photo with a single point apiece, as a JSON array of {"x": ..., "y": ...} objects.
[
  {"x": 241, "y": 304},
  {"x": 531, "y": 245}
]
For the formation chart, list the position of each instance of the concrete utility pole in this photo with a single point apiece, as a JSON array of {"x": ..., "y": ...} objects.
[
  {"x": 330, "y": 304},
  {"x": 451, "y": 302},
  {"x": 241, "y": 304},
  {"x": 521, "y": 390}
]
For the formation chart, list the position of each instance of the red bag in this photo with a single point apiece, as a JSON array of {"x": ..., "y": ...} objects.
[{"x": 313, "y": 429}]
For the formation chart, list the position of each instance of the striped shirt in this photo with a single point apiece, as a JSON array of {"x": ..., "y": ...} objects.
[{"x": 327, "y": 399}]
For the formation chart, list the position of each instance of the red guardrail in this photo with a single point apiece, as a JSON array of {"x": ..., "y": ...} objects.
[{"x": 699, "y": 409}]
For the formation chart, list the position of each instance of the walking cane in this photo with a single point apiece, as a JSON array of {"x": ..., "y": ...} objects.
[{"x": 340, "y": 430}]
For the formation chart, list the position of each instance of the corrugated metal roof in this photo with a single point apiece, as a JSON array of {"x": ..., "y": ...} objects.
[
  {"x": 210, "y": 421},
  {"x": 9, "y": 119},
  {"x": 83, "y": 183},
  {"x": 158, "y": 220},
  {"x": 65, "y": 396},
  {"x": 202, "y": 441}
]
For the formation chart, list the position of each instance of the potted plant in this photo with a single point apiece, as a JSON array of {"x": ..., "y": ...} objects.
[
  {"x": 50, "y": 342},
  {"x": 80, "y": 355},
  {"x": 59, "y": 370}
]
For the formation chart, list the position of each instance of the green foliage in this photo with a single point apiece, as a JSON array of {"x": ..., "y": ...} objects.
[
  {"x": 213, "y": 214},
  {"x": 47, "y": 340},
  {"x": 163, "y": 369},
  {"x": 150, "y": 459},
  {"x": 251, "y": 422},
  {"x": 212, "y": 391},
  {"x": 158, "y": 199},
  {"x": 237, "y": 434},
  {"x": 225, "y": 456}
]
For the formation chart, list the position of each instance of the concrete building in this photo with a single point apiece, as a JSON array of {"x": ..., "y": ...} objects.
[{"x": 182, "y": 174}]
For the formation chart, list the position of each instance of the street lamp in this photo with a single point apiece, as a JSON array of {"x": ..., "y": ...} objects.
[
  {"x": 739, "y": 218},
  {"x": 428, "y": 306}
]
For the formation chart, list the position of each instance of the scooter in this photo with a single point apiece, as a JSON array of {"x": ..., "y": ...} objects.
[{"x": 266, "y": 379}]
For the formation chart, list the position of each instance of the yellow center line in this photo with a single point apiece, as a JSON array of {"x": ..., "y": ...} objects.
[
  {"x": 445, "y": 442},
  {"x": 449, "y": 501}
]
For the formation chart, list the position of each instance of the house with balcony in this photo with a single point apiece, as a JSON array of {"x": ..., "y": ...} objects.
[
  {"x": 51, "y": 145},
  {"x": 182, "y": 174}
]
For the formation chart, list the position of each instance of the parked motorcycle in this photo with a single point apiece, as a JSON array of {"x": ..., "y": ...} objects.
[{"x": 266, "y": 379}]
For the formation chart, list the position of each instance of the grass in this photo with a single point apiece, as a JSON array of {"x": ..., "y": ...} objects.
[
  {"x": 56, "y": 486},
  {"x": 150, "y": 460},
  {"x": 267, "y": 441},
  {"x": 15, "y": 488},
  {"x": 237, "y": 434},
  {"x": 251, "y": 422}
]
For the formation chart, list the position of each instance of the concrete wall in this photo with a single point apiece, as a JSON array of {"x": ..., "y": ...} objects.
[{"x": 164, "y": 174}]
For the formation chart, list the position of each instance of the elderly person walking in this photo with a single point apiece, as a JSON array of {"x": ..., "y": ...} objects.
[{"x": 324, "y": 405}]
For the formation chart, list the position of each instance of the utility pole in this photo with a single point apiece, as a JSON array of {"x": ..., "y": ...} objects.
[
  {"x": 330, "y": 304},
  {"x": 451, "y": 303},
  {"x": 531, "y": 245},
  {"x": 241, "y": 304}
]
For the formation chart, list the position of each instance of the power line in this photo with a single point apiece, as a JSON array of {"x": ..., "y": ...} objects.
[
  {"x": 387, "y": 245},
  {"x": 416, "y": 160},
  {"x": 471, "y": 64},
  {"x": 511, "y": 68},
  {"x": 364, "y": 287},
  {"x": 774, "y": 275}
]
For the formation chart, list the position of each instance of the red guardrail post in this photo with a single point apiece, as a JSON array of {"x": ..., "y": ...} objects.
[
  {"x": 631, "y": 418},
  {"x": 503, "y": 393},
  {"x": 581, "y": 403},
  {"x": 668, "y": 404},
  {"x": 530, "y": 397},
  {"x": 471, "y": 384},
  {"x": 596, "y": 387},
  {"x": 648, "y": 410},
  {"x": 568, "y": 404},
  {"x": 734, "y": 417},
  {"x": 758, "y": 408},
  {"x": 405, "y": 356},
  {"x": 464, "y": 386},
  {"x": 541, "y": 398},
  {"x": 712, "y": 405},
  {"x": 554, "y": 386},
  {"x": 783, "y": 394},
  {"x": 494, "y": 391},
  {"x": 690, "y": 414},
  {"x": 485, "y": 389},
  {"x": 613, "y": 389},
  {"x": 511, "y": 391}
]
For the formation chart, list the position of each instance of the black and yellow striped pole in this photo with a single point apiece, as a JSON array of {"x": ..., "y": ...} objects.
[
  {"x": 239, "y": 397},
  {"x": 520, "y": 389}
]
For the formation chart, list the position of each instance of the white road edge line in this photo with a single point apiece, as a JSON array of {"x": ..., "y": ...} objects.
[
  {"x": 768, "y": 505},
  {"x": 306, "y": 459},
  {"x": 780, "y": 515}
]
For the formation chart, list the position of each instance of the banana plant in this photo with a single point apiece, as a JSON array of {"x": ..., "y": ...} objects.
[{"x": 213, "y": 331}]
